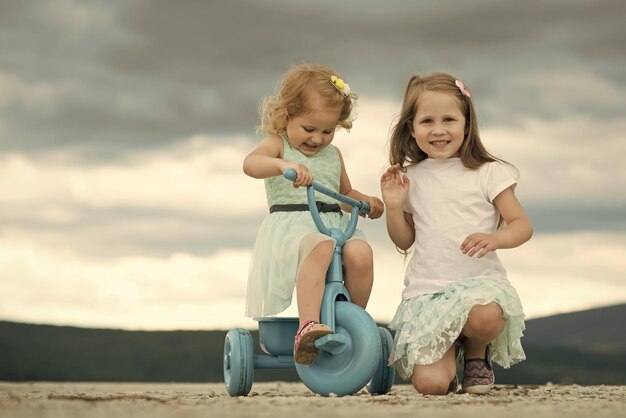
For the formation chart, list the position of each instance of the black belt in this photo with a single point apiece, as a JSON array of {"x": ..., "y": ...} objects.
[{"x": 321, "y": 207}]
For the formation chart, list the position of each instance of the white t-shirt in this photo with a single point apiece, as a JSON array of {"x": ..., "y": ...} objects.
[{"x": 448, "y": 202}]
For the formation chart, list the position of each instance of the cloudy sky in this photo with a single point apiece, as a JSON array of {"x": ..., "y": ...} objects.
[{"x": 123, "y": 126}]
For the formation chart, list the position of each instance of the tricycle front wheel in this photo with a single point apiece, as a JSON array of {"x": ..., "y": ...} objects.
[{"x": 349, "y": 371}]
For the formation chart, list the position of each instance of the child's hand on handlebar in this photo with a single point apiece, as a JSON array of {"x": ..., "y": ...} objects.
[
  {"x": 303, "y": 175},
  {"x": 376, "y": 207}
]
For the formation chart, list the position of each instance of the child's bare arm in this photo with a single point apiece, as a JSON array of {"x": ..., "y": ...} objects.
[
  {"x": 518, "y": 228},
  {"x": 395, "y": 188},
  {"x": 345, "y": 187},
  {"x": 266, "y": 161}
]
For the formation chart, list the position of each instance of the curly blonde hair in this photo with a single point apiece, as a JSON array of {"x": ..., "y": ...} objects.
[{"x": 293, "y": 98}]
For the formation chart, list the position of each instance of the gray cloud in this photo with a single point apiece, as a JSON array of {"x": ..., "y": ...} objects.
[
  {"x": 113, "y": 79},
  {"x": 129, "y": 76},
  {"x": 113, "y": 233},
  {"x": 102, "y": 187},
  {"x": 120, "y": 232}
]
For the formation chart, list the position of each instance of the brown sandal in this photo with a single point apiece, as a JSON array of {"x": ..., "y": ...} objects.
[{"x": 304, "y": 350}]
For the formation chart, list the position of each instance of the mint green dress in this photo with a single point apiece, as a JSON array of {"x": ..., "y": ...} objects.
[{"x": 277, "y": 250}]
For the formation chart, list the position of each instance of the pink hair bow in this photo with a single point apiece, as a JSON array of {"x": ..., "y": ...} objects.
[{"x": 462, "y": 87}]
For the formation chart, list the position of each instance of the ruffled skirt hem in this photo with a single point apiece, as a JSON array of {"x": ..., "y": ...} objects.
[{"x": 426, "y": 326}]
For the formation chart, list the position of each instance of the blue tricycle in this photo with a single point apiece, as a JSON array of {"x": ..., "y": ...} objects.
[{"x": 354, "y": 356}]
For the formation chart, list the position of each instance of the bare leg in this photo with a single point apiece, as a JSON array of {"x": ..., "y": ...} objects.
[
  {"x": 358, "y": 260},
  {"x": 484, "y": 324},
  {"x": 310, "y": 281},
  {"x": 434, "y": 379}
]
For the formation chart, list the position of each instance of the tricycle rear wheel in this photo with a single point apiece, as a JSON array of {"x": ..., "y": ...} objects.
[
  {"x": 384, "y": 375},
  {"x": 238, "y": 362}
]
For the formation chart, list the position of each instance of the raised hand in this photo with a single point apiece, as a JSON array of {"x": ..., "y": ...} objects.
[{"x": 394, "y": 187}]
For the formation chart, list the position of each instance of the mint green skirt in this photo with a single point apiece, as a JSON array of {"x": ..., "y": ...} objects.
[
  {"x": 283, "y": 241},
  {"x": 426, "y": 326}
]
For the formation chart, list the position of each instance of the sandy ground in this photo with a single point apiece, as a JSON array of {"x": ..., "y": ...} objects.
[{"x": 278, "y": 399}]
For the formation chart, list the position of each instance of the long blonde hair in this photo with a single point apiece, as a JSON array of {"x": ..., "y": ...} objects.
[{"x": 293, "y": 98}]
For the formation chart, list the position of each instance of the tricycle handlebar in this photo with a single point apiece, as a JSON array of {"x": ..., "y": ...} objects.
[{"x": 364, "y": 207}]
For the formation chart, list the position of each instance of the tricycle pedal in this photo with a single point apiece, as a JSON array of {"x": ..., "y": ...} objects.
[{"x": 334, "y": 344}]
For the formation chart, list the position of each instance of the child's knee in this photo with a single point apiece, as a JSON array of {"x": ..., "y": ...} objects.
[
  {"x": 323, "y": 250},
  {"x": 430, "y": 384},
  {"x": 486, "y": 319},
  {"x": 358, "y": 253}
]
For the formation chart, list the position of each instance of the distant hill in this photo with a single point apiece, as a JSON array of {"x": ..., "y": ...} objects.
[
  {"x": 31, "y": 352},
  {"x": 601, "y": 330},
  {"x": 587, "y": 347}
]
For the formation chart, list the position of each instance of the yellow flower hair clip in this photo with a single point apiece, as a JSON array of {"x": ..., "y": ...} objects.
[{"x": 342, "y": 86}]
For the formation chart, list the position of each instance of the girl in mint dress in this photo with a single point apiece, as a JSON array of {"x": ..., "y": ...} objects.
[{"x": 289, "y": 252}]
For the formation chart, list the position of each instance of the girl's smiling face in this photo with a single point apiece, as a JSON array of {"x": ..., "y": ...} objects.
[
  {"x": 439, "y": 125},
  {"x": 313, "y": 131}
]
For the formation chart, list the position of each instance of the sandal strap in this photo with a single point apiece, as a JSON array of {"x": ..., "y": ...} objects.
[{"x": 305, "y": 326}]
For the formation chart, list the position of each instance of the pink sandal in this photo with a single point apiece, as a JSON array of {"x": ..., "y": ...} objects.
[{"x": 304, "y": 350}]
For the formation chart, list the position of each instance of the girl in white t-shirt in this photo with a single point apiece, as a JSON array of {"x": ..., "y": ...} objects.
[{"x": 454, "y": 203}]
